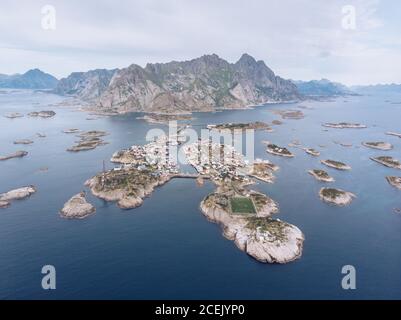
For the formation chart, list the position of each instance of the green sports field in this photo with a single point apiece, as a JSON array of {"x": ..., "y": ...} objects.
[{"x": 242, "y": 205}]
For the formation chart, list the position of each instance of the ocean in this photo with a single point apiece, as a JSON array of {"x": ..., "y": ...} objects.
[{"x": 166, "y": 249}]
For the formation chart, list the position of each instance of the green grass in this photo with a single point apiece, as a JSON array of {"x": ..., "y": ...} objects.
[{"x": 242, "y": 205}]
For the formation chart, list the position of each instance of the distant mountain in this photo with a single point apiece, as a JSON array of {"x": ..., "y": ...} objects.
[
  {"x": 32, "y": 79},
  {"x": 322, "y": 88},
  {"x": 378, "y": 88},
  {"x": 87, "y": 86},
  {"x": 202, "y": 84}
]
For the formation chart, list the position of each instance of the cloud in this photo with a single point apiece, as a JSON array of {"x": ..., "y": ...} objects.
[{"x": 297, "y": 39}]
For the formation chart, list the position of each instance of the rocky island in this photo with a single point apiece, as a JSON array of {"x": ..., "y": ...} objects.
[
  {"x": 321, "y": 175},
  {"x": 336, "y": 196},
  {"x": 257, "y": 125},
  {"x": 394, "y": 181},
  {"x": 344, "y": 125},
  {"x": 14, "y": 115},
  {"x": 312, "y": 152},
  {"x": 388, "y": 162},
  {"x": 89, "y": 140},
  {"x": 165, "y": 118},
  {"x": 395, "y": 134},
  {"x": 290, "y": 114},
  {"x": 336, "y": 164},
  {"x": 77, "y": 207},
  {"x": 385, "y": 146},
  {"x": 71, "y": 130},
  {"x": 278, "y": 151},
  {"x": 17, "y": 154},
  {"x": 23, "y": 141},
  {"x": 42, "y": 114},
  {"x": 16, "y": 194}
]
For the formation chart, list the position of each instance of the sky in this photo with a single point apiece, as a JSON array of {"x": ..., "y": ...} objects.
[{"x": 356, "y": 42}]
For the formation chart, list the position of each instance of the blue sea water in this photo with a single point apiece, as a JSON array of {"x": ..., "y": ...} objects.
[{"x": 166, "y": 249}]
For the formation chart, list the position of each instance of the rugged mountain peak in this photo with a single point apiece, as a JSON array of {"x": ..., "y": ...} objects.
[{"x": 86, "y": 85}]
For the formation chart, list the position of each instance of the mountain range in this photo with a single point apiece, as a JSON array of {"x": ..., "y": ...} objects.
[
  {"x": 322, "y": 88},
  {"x": 378, "y": 88},
  {"x": 32, "y": 79},
  {"x": 202, "y": 84},
  {"x": 206, "y": 83}
]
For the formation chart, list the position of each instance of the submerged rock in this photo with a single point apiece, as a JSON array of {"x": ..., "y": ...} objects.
[{"x": 77, "y": 207}]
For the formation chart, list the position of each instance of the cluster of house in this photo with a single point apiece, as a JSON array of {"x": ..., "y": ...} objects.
[{"x": 214, "y": 159}]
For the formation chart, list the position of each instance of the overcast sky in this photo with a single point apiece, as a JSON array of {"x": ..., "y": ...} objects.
[{"x": 298, "y": 39}]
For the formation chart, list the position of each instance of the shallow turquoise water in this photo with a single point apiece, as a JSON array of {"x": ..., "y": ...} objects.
[{"x": 166, "y": 249}]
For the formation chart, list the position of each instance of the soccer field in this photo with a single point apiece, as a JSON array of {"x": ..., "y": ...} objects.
[{"x": 242, "y": 205}]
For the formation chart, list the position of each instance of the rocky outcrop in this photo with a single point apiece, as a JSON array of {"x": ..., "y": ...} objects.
[
  {"x": 203, "y": 84},
  {"x": 77, "y": 207},
  {"x": 16, "y": 194},
  {"x": 394, "y": 181},
  {"x": 17, "y": 154}
]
